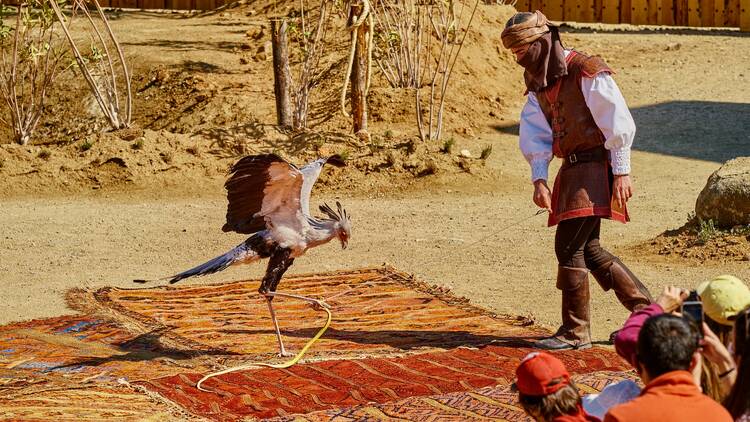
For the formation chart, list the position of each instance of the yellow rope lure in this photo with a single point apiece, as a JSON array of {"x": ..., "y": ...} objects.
[{"x": 287, "y": 364}]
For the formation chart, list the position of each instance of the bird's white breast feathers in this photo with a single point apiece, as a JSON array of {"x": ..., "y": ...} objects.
[{"x": 289, "y": 237}]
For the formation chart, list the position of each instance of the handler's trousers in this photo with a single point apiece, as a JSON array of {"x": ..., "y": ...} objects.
[{"x": 578, "y": 251}]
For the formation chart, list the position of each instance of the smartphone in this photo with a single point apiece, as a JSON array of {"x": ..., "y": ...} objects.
[{"x": 692, "y": 309}]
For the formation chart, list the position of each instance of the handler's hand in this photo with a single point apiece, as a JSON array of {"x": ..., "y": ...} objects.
[
  {"x": 622, "y": 189},
  {"x": 542, "y": 195}
]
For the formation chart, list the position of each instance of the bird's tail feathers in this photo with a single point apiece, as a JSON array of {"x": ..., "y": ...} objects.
[{"x": 221, "y": 262}]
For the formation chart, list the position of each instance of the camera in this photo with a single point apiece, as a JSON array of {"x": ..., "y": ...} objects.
[{"x": 692, "y": 310}]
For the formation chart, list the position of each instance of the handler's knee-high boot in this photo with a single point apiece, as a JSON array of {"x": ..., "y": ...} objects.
[
  {"x": 629, "y": 290},
  {"x": 575, "y": 332}
]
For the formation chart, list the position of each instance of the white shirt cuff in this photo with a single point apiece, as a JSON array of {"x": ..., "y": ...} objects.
[
  {"x": 539, "y": 169},
  {"x": 620, "y": 159}
]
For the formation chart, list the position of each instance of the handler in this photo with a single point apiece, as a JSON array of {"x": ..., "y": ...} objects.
[{"x": 575, "y": 111}]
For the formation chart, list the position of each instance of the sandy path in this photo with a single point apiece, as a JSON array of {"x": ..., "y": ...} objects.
[
  {"x": 51, "y": 245},
  {"x": 691, "y": 113}
]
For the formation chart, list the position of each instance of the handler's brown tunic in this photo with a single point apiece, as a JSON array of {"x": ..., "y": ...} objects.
[{"x": 582, "y": 188}]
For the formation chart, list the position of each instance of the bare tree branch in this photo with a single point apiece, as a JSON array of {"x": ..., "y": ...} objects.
[
  {"x": 102, "y": 77},
  {"x": 28, "y": 66}
]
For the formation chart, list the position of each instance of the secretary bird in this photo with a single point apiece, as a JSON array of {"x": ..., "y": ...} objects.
[{"x": 269, "y": 199}]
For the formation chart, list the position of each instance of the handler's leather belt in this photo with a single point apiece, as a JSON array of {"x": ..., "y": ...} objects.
[{"x": 589, "y": 155}]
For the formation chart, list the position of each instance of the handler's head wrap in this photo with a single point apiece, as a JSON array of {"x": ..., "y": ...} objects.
[
  {"x": 544, "y": 61},
  {"x": 524, "y": 28}
]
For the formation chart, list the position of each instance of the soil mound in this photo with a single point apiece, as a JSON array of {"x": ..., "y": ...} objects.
[
  {"x": 700, "y": 241},
  {"x": 197, "y": 110}
]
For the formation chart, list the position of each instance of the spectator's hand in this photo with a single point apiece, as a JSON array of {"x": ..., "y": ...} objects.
[
  {"x": 715, "y": 351},
  {"x": 622, "y": 189},
  {"x": 542, "y": 195},
  {"x": 671, "y": 298}
]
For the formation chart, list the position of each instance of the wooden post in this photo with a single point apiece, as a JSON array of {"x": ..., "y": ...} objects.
[
  {"x": 553, "y": 9},
  {"x": 610, "y": 11},
  {"x": 719, "y": 19},
  {"x": 667, "y": 16},
  {"x": 744, "y": 15},
  {"x": 282, "y": 78},
  {"x": 694, "y": 16},
  {"x": 732, "y": 13},
  {"x": 358, "y": 77},
  {"x": 639, "y": 15}
]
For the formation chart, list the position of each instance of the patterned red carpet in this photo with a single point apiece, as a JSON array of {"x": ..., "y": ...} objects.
[{"x": 397, "y": 349}]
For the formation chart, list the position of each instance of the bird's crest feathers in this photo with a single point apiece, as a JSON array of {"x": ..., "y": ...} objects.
[{"x": 338, "y": 215}]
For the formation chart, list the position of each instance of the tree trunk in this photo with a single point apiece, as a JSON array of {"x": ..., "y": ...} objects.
[
  {"x": 282, "y": 77},
  {"x": 359, "y": 75}
]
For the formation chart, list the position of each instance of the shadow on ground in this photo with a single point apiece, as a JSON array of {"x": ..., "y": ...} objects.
[
  {"x": 404, "y": 339},
  {"x": 701, "y": 130}
]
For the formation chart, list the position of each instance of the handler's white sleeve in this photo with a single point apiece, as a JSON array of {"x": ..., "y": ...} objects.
[
  {"x": 612, "y": 115},
  {"x": 535, "y": 138}
]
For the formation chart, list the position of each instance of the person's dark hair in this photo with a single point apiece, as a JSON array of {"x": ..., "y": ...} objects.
[
  {"x": 564, "y": 401},
  {"x": 738, "y": 401},
  {"x": 519, "y": 17},
  {"x": 667, "y": 343}
]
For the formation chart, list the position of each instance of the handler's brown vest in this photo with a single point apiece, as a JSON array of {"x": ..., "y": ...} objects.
[
  {"x": 573, "y": 126},
  {"x": 581, "y": 189}
]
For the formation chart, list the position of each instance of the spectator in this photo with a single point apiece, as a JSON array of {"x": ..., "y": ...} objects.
[
  {"x": 717, "y": 376},
  {"x": 626, "y": 340},
  {"x": 723, "y": 298},
  {"x": 738, "y": 402},
  {"x": 546, "y": 392},
  {"x": 667, "y": 358}
]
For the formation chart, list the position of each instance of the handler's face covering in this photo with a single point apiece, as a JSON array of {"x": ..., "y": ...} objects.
[{"x": 544, "y": 62}]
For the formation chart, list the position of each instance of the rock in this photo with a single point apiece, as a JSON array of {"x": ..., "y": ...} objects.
[
  {"x": 256, "y": 33},
  {"x": 129, "y": 134},
  {"x": 469, "y": 132},
  {"x": 265, "y": 52},
  {"x": 673, "y": 46},
  {"x": 726, "y": 197},
  {"x": 465, "y": 153}
]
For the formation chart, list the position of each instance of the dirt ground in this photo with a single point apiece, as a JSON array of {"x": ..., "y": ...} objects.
[{"x": 114, "y": 212}]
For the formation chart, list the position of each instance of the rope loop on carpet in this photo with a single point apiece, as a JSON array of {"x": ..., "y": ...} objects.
[{"x": 286, "y": 364}]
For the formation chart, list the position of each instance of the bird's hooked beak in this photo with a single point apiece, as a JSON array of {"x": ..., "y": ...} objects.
[{"x": 344, "y": 239}]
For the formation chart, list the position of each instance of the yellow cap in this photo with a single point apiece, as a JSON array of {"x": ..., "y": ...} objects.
[{"x": 724, "y": 297}]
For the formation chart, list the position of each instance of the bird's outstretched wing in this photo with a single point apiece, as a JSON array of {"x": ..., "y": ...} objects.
[
  {"x": 262, "y": 188},
  {"x": 266, "y": 189},
  {"x": 310, "y": 173}
]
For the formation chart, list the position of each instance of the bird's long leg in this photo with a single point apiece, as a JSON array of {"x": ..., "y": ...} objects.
[
  {"x": 278, "y": 263},
  {"x": 282, "y": 350}
]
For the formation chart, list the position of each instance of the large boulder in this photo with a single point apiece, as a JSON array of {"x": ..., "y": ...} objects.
[{"x": 726, "y": 197}]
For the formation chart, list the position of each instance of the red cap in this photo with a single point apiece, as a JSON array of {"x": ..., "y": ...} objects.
[{"x": 540, "y": 374}]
